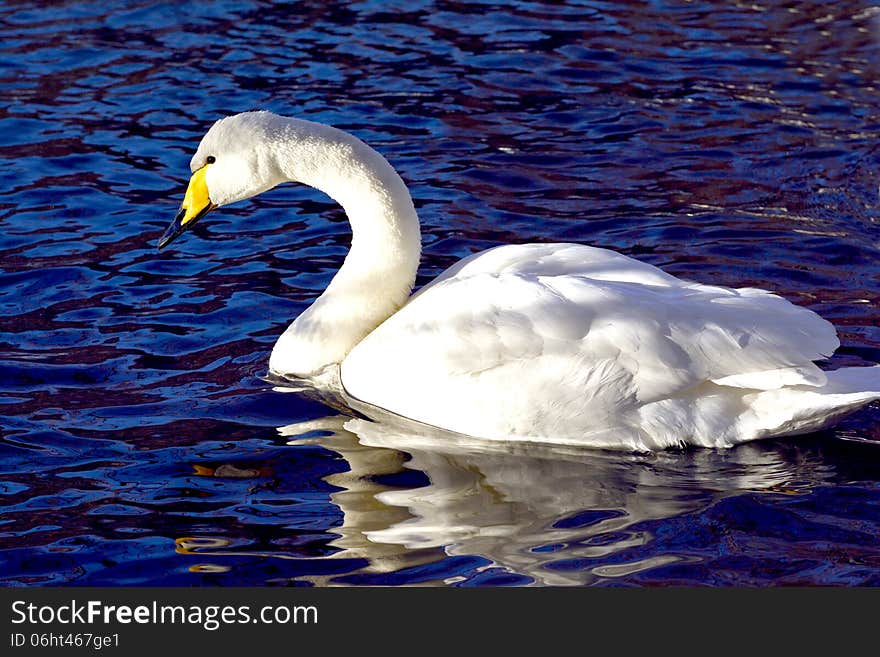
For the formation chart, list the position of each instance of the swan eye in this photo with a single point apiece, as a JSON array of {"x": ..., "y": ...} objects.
[{"x": 210, "y": 159}]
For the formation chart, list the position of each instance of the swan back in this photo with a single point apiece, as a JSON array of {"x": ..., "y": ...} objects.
[{"x": 571, "y": 343}]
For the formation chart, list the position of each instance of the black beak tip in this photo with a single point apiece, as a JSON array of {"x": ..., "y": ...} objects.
[{"x": 173, "y": 231}]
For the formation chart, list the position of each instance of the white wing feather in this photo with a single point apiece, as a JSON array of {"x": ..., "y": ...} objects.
[{"x": 583, "y": 345}]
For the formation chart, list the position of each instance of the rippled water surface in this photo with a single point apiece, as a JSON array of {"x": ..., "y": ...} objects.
[{"x": 734, "y": 143}]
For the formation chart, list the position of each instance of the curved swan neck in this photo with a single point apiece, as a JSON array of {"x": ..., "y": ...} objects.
[{"x": 379, "y": 271}]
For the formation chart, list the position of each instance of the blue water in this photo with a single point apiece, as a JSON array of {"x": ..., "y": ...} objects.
[{"x": 736, "y": 145}]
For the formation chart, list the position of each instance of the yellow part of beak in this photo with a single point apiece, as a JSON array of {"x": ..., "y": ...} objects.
[
  {"x": 196, "y": 204},
  {"x": 196, "y": 200}
]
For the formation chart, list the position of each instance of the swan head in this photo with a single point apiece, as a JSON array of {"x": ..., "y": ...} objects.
[{"x": 235, "y": 160}]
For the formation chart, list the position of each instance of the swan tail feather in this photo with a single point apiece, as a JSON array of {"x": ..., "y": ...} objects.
[{"x": 802, "y": 409}]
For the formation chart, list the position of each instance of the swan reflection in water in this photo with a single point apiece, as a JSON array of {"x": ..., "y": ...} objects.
[
  {"x": 554, "y": 515},
  {"x": 529, "y": 509}
]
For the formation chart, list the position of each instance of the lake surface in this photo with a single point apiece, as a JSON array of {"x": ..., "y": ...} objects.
[{"x": 731, "y": 143}]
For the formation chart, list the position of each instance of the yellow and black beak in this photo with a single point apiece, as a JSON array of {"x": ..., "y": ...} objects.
[{"x": 196, "y": 204}]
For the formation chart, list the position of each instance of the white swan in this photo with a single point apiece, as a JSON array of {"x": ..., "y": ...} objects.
[{"x": 559, "y": 343}]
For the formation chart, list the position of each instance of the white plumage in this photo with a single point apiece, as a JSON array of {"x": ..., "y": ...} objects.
[
  {"x": 559, "y": 343},
  {"x": 581, "y": 345}
]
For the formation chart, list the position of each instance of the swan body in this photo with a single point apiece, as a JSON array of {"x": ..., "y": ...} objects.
[{"x": 561, "y": 343}]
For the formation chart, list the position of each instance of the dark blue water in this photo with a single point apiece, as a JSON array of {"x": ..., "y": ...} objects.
[{"x": 733, "y": 144}]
